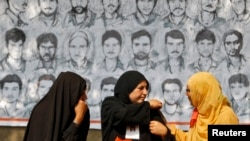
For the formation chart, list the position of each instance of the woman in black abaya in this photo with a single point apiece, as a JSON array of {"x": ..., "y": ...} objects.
[
  {"x": 128, "y": 108},
  {"x": 62, "y": 115}
]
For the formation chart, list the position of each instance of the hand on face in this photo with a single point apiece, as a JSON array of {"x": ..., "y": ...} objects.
[{"x": 155, "y": 104}]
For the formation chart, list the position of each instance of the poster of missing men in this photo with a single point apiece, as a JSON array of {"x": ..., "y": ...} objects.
[{"x": 166, "y": 40}]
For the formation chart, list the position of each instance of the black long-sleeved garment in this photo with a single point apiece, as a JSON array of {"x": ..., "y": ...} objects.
[
  {"x": 52, "y": 117},
  {"x": 117, "y": 116},
  {"x": 117, "y": 112}
]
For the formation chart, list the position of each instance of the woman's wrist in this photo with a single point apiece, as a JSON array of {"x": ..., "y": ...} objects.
[
  {"x": 77, "y": 121},
  {"x": 164, "y": 133}
]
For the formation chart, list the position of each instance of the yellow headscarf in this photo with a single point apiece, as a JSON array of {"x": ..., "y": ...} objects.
[{"x": 207, "y": 97}]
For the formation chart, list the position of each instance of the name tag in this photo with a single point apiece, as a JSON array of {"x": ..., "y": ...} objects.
[{"x": 132, "y": 132}]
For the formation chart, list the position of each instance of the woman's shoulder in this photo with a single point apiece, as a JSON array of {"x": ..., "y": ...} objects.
[
  {"x": 110, "y": 100},
  {"x": 227, "y": 116}
]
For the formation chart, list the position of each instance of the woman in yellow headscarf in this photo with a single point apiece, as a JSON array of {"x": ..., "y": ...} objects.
[{"x": 210, "y": 107}]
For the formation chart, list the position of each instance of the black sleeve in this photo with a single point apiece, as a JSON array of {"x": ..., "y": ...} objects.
[
  {"x": 70, "y": 133},
  {"x": 77, "y": 132},
  {"x": 157, "y": 115},
  {"x": 132, "y": 114},
  {"x": 115, "y": 116}
]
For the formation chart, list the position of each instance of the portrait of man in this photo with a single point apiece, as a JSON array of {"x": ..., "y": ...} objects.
[
  {"x": 111, "y": 17},
  {"x": 107, "y": 87},
  {"x": 35, "y": 94},
  {"x": 14, "y": 61},
  {"x": 175, "y": 107},
  {"x": 47, "y": 62},
  {"x": 43, "y": 84},
  {"x": 111, "y": 47},
  {"x": 240, "y": 18},
  {"x": 13, "y": 15},
  {"x": 208, "y": 16},
  {"x": 171, "y": 89},
  {"x": 178, "y": 18},
  {"x": 174, "y": 44},
  {"x": 144, "y": 15},
  {"x": 78, "y": 49},
  {"x": 141, "y": 45},
  {"x": 239, "y": 95},
  {"x": 235, "y": 61},
  {"x": 80, "y": 16},
  {"x": 48, "y": 15},
  {"x": 205, "y": 43},
  {"x": 11, "y": 89}
]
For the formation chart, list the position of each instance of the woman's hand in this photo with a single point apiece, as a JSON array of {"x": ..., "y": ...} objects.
[
  {"x": 155, "y": 104},
  {"x": 80, "y": 110},
  {"x": 157, "y": 128}
]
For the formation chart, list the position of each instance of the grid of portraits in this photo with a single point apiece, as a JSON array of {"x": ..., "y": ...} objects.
[{"x": 166, "y": 40}]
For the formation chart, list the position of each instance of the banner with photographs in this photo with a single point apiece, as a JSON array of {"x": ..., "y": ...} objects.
[{"x": 167, "y": 40}]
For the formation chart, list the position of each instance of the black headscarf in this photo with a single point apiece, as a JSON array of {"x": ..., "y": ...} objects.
[
  {"x": 127, "y": 82},
  {"x": 118, "y": 112},
  {"x": 55, "y": 112}
]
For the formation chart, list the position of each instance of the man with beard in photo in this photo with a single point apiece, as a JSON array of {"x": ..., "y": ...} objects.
[
  {"x": 47, "y": 62},
  {"x": 49, "y": 15},
  {"x": 141, "y": 46},
  {"x": 79, "y": 16},
  {"x": 236, "y": 60}
]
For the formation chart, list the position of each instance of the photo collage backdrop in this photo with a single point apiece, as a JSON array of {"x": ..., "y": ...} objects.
[{"x": 166, "y": 40}]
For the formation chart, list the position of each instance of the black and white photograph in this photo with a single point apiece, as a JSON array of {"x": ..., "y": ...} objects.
[{"x": 166, "y": 40}]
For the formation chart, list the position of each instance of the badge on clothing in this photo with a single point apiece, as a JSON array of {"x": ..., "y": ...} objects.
[{"x": 132, "y": 132}]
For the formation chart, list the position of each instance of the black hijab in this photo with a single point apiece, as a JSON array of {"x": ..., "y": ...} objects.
[
  {"x": 55, "y": 112},
  {"x": 127, "y": 82},
  {"x": 120, "y": 104}
]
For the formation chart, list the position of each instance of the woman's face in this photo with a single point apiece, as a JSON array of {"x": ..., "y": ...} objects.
[
  {"x": 188, "y": 94},
  {"x": 139, "y": 94}
]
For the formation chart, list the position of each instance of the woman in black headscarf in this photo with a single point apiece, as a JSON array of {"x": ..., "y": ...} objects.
[
  {"x": 62, "y": 115},
  {"x": 127, "y": 109}
]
